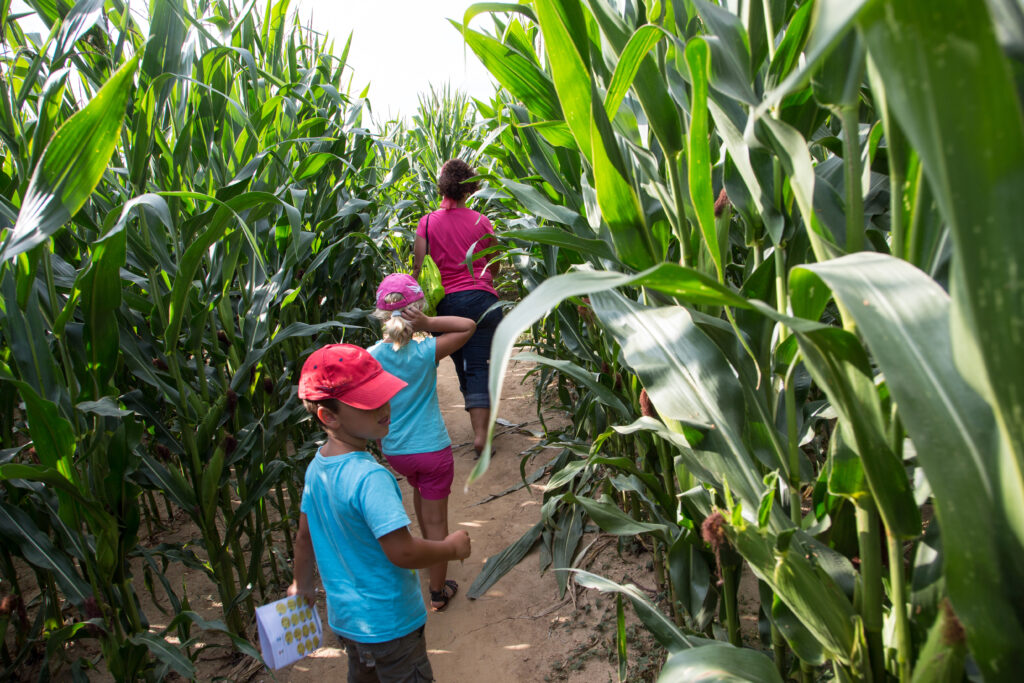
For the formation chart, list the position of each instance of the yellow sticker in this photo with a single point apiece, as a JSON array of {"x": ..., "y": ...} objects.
[
  {"x": 285, "y": 622},
  {"x": 288, "y": 637},
  {"x": 281, "y": 608},
  {"x": 316, "y": 641},
  {"x": 300, "y": 648},
  {"x": 298, "y": 634},
  {"x": 309, "y": 646},
  {"x": 295, "y": 619},
  {"x": 291, "y": 603},
  {"x": 305, "y": 630}
]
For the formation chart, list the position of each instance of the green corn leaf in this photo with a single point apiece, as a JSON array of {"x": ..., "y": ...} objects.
[
  {"x": 718, "y": 662},
  {"x": 507, "y": 7},
  {"x": 560, "y": 238},
  {"x": 698, "y": 151},
  {"x": 587, "y": 379},
  {"x": 956, "y": 100},
  {"x": 538, "y": 205},
  {"x": 169, "y": 655},
  {"x": 905, "y": 318},
  {"x": 660, "y": 626},
  {"x": 271, "y": 475},
  {"x": 39, "y": 551},
  {"x": 496, "y": 566},
  {"x": 688, "y": 380},
  {"x": 620, "y": 637},
  {"x": 72, "y": 165},
  {"x": 78, "y": 22},
  {"x": 613, "y": 520},
  {"x": 649, "y": 83},
  {"x": 633, "y": 55},
  {"x": 831, "y": 20},
  {"x": 52, "y": 435},
  {"x": 101, "y": 287},
  {"x": 524, "y": 79},
  {"x": 730, "y": 52},
  {"x": 814, "y": 598},
  {"x": 672, "y": 279},
  {"x": 564, "y": 541}
]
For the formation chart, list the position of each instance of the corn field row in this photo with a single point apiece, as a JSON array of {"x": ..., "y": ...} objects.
[{"x": 767, "y": 255}]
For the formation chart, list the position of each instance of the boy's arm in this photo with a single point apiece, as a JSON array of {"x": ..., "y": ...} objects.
[
  {"x": 304, "y": 562},
  {"x": 408, "y": 552}
]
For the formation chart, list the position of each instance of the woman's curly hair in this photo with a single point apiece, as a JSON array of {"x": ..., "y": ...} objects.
[{"x": 451, "y": 182}]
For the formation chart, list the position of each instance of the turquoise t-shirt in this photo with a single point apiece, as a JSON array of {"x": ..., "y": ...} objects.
[
  {"x": 350, "y": 501},
  {"x": 416, "y": 422}
]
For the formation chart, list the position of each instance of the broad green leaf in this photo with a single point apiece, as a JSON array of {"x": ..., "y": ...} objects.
[
  {"x": 698, "y": 151},
  {"x": 640, "y": 43},
  {"x": 52, "y": 435},
  {"x": 613, "y": 520},
  {"x": 649, "y": 83},
  {"x": 38, "y": 550},
  {"x": 956, "y": 100},
  {"x": 167, "y": 653},
  {"x": 496, "y": 566},
  {"x": 586, "y": 379},
  {"x": 564, "y": 540},
  {"x": 905, "y": 316},
  {"x": 569, "y": 74},
  {"x": 688, "y": 380},
  {"x": 537, "y": 204},
  {"x": 674, "y": 280},
  {"x": 831, "y": 20},
  {"x": 730, "y": 52},
  {"x": 561, "y": 238},
  {"x": 814, "y": 598},
  {"x": 660, "y": 626},
  {"x": 524, "y": 79},
  {"x": 72, "y": 165},
  {"x": 101, "y": 287},
  {"x": 718, "y": 662},
  {"x": 508, "y": 7}
]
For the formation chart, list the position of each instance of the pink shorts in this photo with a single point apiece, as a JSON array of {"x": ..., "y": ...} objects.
[{"x": 429, "y": 473}]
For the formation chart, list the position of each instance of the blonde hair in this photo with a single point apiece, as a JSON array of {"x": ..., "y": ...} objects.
[{"x": 397, "y": 329}]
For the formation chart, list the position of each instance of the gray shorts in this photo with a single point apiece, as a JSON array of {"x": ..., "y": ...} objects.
[{"x": 402, "y": 660}]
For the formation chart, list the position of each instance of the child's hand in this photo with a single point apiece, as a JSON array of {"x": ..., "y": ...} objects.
[
  {"x": 459, "y": 541},
  {"x": 309, "y": 595},
  {"x": 418, "y": 319}
]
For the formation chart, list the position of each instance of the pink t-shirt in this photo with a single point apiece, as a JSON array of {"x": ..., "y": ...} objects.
[{"x": 450, "y": 234}]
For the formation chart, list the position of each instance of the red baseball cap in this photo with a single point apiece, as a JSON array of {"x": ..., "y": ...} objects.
[{"x": 348, "y": 373}]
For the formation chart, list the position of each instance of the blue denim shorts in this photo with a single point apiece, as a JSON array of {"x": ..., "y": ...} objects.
[{"x": 472, "y": 361}]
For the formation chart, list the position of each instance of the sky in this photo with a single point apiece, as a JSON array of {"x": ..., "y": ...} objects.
[{"x": 399, "y": 47}]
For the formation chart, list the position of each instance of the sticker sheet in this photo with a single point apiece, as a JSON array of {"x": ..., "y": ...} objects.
[{"x": 289, "y": 630}]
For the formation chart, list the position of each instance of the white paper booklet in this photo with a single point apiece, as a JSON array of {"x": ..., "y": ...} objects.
[{"x": 289, "y": 630}]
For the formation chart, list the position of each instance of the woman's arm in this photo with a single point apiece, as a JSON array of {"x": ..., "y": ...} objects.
[
  {"x": 419, "y": 250},
  {"x": 454, "y": 331},
  {"x": 408, "y": 552}
]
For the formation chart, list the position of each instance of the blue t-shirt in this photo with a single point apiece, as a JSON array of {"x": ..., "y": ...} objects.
[
  {"x": 416, "y": 422},
  {"x": 350, "y": 501}
]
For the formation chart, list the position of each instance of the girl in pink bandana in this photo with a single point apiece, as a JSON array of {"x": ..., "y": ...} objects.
[{"x": 417, "y": 445}]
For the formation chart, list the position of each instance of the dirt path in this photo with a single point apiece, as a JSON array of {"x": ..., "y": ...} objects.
[{"x": 518, "y": 631}]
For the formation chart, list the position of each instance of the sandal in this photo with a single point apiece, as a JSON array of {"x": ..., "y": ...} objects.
[{"x": 443, "y": 596}]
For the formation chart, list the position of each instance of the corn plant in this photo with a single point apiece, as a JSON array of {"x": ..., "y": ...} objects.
[
  {"x": 190, "y": 205},
  {"x": 820, "y": 342}
]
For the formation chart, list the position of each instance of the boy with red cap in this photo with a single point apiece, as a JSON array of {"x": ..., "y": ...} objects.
[{"x": 355, "y": 527}]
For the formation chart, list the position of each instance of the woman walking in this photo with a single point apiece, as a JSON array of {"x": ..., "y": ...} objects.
[{"x": 447, "y": 234}]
